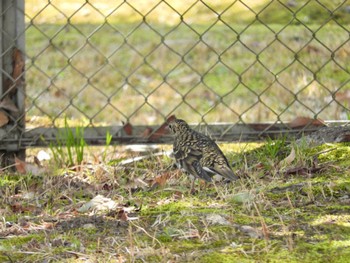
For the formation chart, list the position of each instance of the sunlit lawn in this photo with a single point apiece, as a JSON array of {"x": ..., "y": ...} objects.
[{"x": 205, "y": 70}]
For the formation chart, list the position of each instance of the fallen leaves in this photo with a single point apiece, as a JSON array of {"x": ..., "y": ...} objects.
[
  {"x": 10, "y": 87},
  {"x": 162, "y": 130},
  {"x": 100, "y": 204},
  {"x": 7, "y": 104},
  {"x": 20, "y": 207},
  {"x": 4, "y": 119},
  {"x": 18, "y": 65},
  {"x": 160, "y": 180},
  {"x": 23, "y": 167},
  {"x": 288, "y": 160},
  {"x": 148, "y": 133},
  {"x": 20, "y": 166},
  {"x": 300, "y": 122},
  {"x": 25, "y": 227},
  {"x": 127, "y": 128}
]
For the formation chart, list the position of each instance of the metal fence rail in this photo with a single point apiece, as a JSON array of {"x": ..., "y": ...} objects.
[{"x": 247, "y": 68}]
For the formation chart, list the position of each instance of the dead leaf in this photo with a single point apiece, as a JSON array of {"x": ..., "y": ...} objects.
[
  {"x": 3, "y": 119},
  {"x": 288, "y": 160},
  {"x": 23, "y": 167},
  {"x": 147, "y": 132},
  {"x": 8, "y": 104},
  {"x": 48, "y": 225},
  {"x": 20, "y": 208},
  {"x": 162, "y": 130},
  {"x": 18, "y": 64},
  {"x": 160, "y": 180},
  {"x": 20, "y": 166},
  {"x": 127, "y": 128},
  {"x": 122, "y": 215},
  {"x": 300, "y": 122},
  {"x": 98, "y": 203},
  {"x": 10, "y": 86}
]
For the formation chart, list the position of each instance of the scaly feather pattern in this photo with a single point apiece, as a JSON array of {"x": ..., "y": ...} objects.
[{"x": 197, "y": 154}]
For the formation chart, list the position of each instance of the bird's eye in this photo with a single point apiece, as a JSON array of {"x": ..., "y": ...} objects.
[{"x": 169, "y": 126}]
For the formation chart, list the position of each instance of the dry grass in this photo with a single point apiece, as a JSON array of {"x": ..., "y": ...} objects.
[{"x": 269, "y": 215}]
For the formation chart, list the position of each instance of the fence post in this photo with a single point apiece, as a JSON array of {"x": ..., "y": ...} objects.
[{"x": 12, "y": 89}]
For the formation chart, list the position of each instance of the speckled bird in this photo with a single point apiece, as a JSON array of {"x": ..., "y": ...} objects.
[{"x": 197, "y": 154}]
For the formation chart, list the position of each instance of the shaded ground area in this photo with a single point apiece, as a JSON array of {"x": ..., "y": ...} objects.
[{"x": 292, "y": 204}]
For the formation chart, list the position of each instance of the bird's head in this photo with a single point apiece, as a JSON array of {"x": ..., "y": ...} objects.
[{"x": 178, "y": 126}]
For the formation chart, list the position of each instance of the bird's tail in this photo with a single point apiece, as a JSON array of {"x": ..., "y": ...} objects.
[{"x": 227, "y": 173}]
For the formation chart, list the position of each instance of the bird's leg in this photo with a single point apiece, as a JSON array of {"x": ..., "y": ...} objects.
[
  {"x": 205, "y": 183},
  {"x": 216, "y": 188},
  {"x": 193, "y": 190},
  {"x": 202, "y": 186}
]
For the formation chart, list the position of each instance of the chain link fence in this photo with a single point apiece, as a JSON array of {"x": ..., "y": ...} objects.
[{"x": 247, "y": 68}]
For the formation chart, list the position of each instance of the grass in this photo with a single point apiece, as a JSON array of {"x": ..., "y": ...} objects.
[
  {"x": 268, "y": 215},
  {"x": 68, "y": 150},
  {"x": 117, "y": 69},
  {"x": 127, "y": 69}
]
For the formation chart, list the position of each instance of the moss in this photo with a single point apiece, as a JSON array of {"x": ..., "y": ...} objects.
[
  {"x": 9, "y": 180},
  {"x": 338, "y": 153},
  {"x": 18, "y": 241},
  {"x": 173, "y": 206},
  {"x": 223, "y": 257},
  {"x": 322, "y": 251},
  {"x": 187, "y": 245},
  {"x": 164, "y": 238}
]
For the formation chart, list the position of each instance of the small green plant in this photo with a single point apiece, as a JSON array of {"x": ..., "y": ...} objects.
[
  {"x": 273, "y": 147},
  {"x": 69, "y": 145},
  {"x": 108, "y": 143}
]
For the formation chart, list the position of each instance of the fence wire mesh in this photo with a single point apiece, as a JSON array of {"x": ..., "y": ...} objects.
[{"x": 235, "y": 62}]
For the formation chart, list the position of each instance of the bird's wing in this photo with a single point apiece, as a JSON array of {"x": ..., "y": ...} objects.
[
  {"x": 189, "y": 159},
  {"x": 183, "y": 151},
  {"x": 192, "y": 165},
  {"x": 215, "y": 160}
]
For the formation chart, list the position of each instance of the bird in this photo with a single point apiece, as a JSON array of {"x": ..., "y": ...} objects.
[{"x": 197, "y": 154}]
